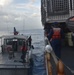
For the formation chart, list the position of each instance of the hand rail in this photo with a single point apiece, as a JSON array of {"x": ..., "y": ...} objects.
[
  {"x": 59, "y": 64},
  {"x": 52, "y": 52},
  {"x": 13, "y": 66}
]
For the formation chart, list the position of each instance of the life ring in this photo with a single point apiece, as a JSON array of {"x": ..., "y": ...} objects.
[{"x": 8, "y": 49}]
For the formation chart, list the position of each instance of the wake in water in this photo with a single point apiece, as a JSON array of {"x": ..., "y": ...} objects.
[{"x": 38, "y": 58}]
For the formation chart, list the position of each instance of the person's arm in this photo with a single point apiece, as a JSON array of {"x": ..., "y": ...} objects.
[
  {"x": 50, "y": 34},
  {"x": 62, "y": 34}
]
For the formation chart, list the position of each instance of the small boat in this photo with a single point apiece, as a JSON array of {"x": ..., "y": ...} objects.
[
  {"x": 10, "y": 57},
  {"x": 13, "y": 41}
]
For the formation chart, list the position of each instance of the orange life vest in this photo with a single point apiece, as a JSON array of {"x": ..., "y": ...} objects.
[
  {"x": 56, "y": 33},
  {"x": 24, "y": 48}
]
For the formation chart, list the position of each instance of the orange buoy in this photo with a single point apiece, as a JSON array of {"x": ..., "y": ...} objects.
[
  {"x": 60, "y": 68},
  {"x": 48, "y": 56},
  {"x": 49, "y": 68}
]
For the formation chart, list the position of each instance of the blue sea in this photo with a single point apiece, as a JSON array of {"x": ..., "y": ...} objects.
[{"x": 38, "y": 51}]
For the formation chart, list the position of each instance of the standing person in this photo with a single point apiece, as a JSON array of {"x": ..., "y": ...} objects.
[
  {"x": 55, "y": 35},
  {"x": 24, "y": 51},
  {"x": 30, "y": 41}
]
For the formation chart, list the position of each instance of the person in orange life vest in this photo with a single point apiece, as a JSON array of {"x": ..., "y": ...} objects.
[
  {"x": 24, "y": 51},
  {"x": 55, "y": 35}
]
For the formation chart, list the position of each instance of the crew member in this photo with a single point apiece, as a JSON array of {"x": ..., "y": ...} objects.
[
  {"x": 24, "y": 51},
  {"x": 55, "y": 35},
  {"x": 30, "y": 41}
]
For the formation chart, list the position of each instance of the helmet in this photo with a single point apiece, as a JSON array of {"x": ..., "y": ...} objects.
[{"x": 55, "y": 24}]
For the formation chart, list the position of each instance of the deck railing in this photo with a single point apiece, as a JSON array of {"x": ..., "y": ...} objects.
[
  {"x": 59, "y": 68},
  {"x": 14, "y": 66}
]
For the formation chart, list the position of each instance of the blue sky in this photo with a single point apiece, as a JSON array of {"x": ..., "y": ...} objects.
[{"x": 19, "y": 14}]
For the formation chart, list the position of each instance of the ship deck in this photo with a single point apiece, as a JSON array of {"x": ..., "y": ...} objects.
[
  {"x": 67, "y": 56},
  {"x": 16, "y": 62}
]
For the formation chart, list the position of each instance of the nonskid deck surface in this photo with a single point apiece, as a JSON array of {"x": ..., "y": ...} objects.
[
  {"x": 15, "y": 62},
  {"x": 67, "y": 56}
]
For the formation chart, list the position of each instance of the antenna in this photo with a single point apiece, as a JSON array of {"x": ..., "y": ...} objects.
[
  {"x": 7, "y": 29},
  {"x": 23, "y": 24}
]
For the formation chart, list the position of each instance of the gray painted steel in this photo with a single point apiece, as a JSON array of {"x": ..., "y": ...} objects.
[
  {"x": 57, "y": 7},
  {"x": 13, "y": 66},
  {"x": 56, "y": 10},
  {"x": 70, "y": 23},
  {"x": 11, "y": 71}
]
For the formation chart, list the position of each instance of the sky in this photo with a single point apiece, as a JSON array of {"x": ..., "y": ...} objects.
[{"x": 22, "y": 14}]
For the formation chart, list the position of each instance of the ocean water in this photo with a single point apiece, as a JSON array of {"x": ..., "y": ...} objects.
[{"x": 38, "y": 51}]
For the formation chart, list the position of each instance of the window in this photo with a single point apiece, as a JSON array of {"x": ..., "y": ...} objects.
[
  {"x": 9, "y": 42},
  {"x": 21, "y": 42}
]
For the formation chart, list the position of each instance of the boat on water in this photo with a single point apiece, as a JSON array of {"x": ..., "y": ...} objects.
[{"x": 10, "y": 56}]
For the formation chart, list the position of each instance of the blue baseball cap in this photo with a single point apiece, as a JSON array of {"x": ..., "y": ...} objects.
[{"x": 55, "y": 24}]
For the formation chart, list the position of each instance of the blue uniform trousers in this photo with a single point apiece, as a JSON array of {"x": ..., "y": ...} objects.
[{"x": 56, "y": 45}]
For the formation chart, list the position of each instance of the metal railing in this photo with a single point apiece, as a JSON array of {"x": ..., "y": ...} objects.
[{"x": 51, "y": 58}]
